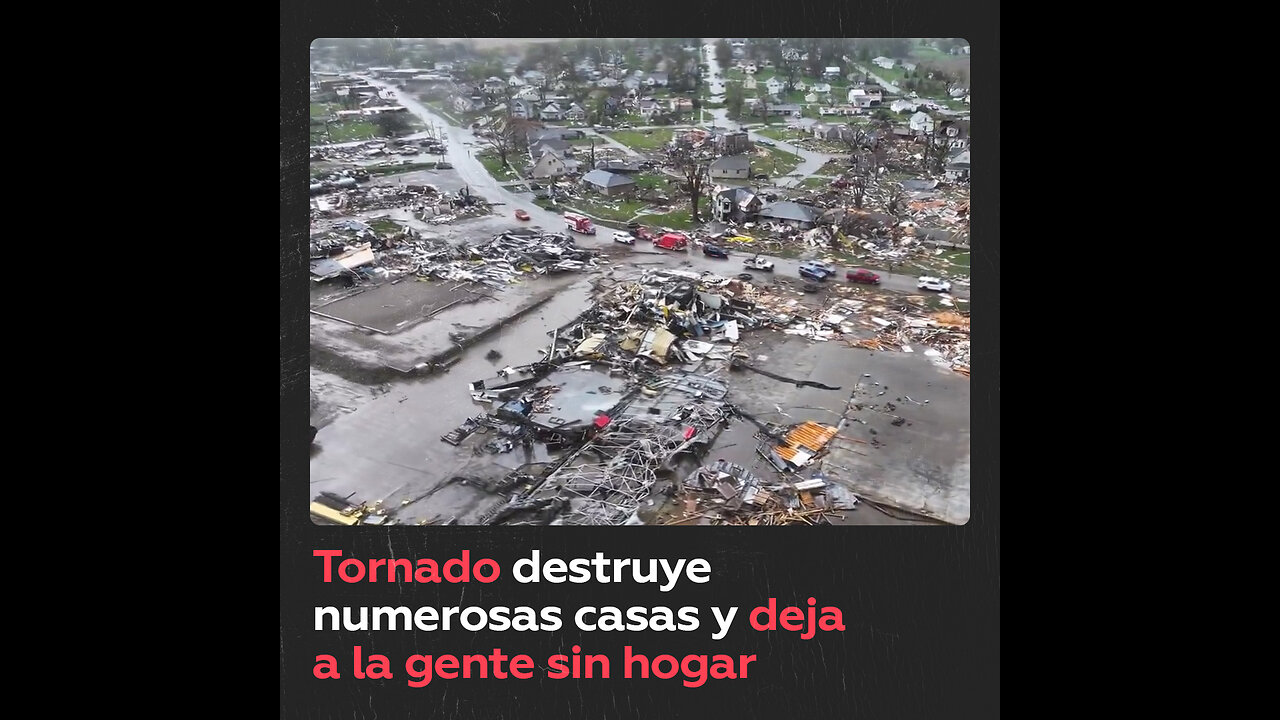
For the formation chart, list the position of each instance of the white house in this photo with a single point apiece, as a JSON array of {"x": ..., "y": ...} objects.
[
  {"x": 494, "y": 84},
  {"x": 465, "y": 104},
  {"x": 524, "y": 109},
  {"x": 649, "y": 108},
  {"x": 774, "y": 85},
  {"x": 659, "y": 79},
  {"x": 908, "y": 66},
  {"x": 811, "y": 98},
  {"x": 607, "y": 82},
  {"x": 681, "y": 105},
  {"x": 515, "y": 81},
  {"x": 859, "y": 98},
  {"x": 904, "y": 105},
  {"x": 749, "y": 68},
  {"x": 958, "y": 166},
  {"x": 575, "y": 112},
  {"x": 921, "y": 122},
  {"x": 884, "y": 62},
  {"x": 530, "y": 93},
  {"x": 801, "y": 86},
  {"x": 549, "y": 165},
  {"x": 749, "y": 83},
  {"x": 830, "y": 73},
  {"x": 552, "y": 112},
  {"x": 821, "y": 88}
]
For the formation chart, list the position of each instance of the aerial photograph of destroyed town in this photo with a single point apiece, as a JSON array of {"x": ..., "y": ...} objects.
[{"x": 639, "y": 281}]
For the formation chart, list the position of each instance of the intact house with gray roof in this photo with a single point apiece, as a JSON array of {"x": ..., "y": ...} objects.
[
  {"x": 610, "y": 184},
  {"x": 792, "y": 214},
  {"x": 958, "y": 166},
  {"x": 731, "y": 167}
]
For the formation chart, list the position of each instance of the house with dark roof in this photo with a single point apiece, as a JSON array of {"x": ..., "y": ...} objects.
[
  {"x": 731, "y": 167},
  {"x": 610, "y": 184},
  {"x": 736, "y": 205},
  {"x": 793, "y": 214},
  {"x": 955, "y": 132},
  {"x": 958, "y": 166},
  {"x": 658, "y": 79},
  {"x": 559, "y": 148}
]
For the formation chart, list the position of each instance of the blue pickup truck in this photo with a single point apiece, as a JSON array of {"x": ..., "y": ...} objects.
[{"x": 815, "y": 270}]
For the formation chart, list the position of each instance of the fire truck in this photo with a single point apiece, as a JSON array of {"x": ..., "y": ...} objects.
[{"x": 579, "y": 223}]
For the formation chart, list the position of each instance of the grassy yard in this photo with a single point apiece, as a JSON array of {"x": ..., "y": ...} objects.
[
  {"x": 616, "y": 209},
  {"x": 815, "y": 182},
  {"x": 495, "y": 167},
  {"x": 775, "y": 162},
  {"x": 680, "y": 218},
  {"x": 344, "y": 131},
  {"x": 783, "y": 134},
  {"x": 650, "y": 181},
  {"x": 640, "y": 140},
  {"x": 385, "y": 226},
  {"x": 320, "y": 110}
]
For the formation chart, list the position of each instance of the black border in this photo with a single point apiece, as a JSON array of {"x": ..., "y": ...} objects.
[{"x": 924, "y": 638}]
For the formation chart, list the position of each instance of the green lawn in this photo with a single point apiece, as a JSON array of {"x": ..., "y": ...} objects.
[
  {"x": 815, "y": 182},
  {"x": 650, "y": 181},
  {"x": 319, "y": 110},
  {"x": 640, "y": 140},
  {"x": 785, "y": 162},
  {"x": 679, "y": 218},
  {"x": 604, "y": 208},
  {"x": 344, "y": 131},
  {"x": 783, "y": 134},
  {"x": 385, "y": 226},
  {"x": 495, "y": 167}
]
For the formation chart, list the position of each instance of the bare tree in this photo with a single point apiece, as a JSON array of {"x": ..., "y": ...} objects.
[
  {"x": 935, "y": 153},
  {"x": 863, "y": 174},
  {"x": 512, "y": 138},
  {"x": 893, "y": 198},
  {"x": 696, "y": 178}
]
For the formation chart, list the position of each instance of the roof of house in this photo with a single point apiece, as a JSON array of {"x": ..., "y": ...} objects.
[
  {"x": 732, "y": 162},
  {"x": 603, "y": 178},
  {"x": 740, "y": 196},
  {"x": 551, "y": 143},
  {"x": 960, "y": 159},
  {"x": 790, "y": 211},
  {"x": 658, "y": 77},
  {"x": 554, "y": 158},
  {"x": 831, "y": 69}
]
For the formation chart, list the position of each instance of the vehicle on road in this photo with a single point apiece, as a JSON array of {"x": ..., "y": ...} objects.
[
  {"x": 862, "y": 275},
  {"x": 671, "y": 241},
  {"x": 625, "y": 238},
  {"x": 932, "y": 283},
  {"x": 715, "y": 251},
  {"x": 443, "y": 166},
  {"x": 579, "y": 223},
  {"x": 522, "y": 215},
  {"x": 815, "y": 270},
  {"x": 758, "y": 263},
  {"x": 760, "y": 176},
  {"x": 766, "y": 143}
]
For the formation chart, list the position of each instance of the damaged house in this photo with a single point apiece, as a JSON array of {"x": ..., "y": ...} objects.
[
  {"x": 731, "y": 167},
  {"x": 610, "y": 184},
  {"x": 732, "y": 143},
  {"x": 736, "y": 205},
  {"x": 791, "y": 214}
]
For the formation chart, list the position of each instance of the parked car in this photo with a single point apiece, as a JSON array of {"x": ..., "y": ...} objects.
[
  {"x": 766, "y": 143},
  {"x": 625, "y": 238},
  {"x": 862, "y": 275},
  {"x": 758, "y": 263},
  {"x": 715, "y": 251},
  {"x": 814, "y": 270},
  {"x": 933, "y": 283},
  {"x": 760, "y": 176},
  {"x": 522, "y": 215},
  {"x": 443, "y": 166}
]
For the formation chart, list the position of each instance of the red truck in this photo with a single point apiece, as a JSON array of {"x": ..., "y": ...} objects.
[
  {"x": 672, "y": 241},
  {"x": 579, "y": 223}
]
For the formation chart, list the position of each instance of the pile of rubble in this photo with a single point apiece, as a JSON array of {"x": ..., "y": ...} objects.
[
  {"x": 725, "y": 493},
  {"x": 496, "y": 262}
]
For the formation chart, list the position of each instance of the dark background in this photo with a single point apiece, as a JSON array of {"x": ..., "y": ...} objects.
[{"x": 920, "y": 604}]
